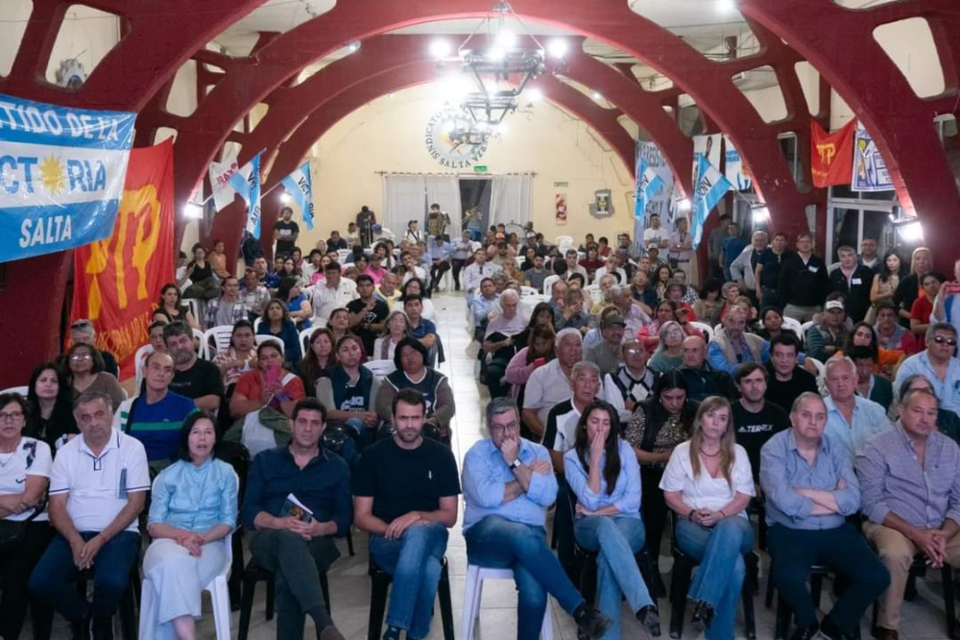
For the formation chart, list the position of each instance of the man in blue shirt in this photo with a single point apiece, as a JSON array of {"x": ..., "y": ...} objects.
[
  {"x": 294, "y": 544},
  {"x": 937, "y": 365},
  {"x": 852, "y": 420},
  {"x": 508, "y": 485},
  {"x": 156, "y": 415},
  {"x": 810, "y": 489},
  {"x": 440, "y": 251}
]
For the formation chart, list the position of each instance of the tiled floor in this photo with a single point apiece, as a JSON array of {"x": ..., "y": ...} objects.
[{"x": 923, "y": 619}]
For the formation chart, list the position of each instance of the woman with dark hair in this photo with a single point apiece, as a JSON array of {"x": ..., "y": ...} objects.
[
  {"x": 24, "y": 477},
  {"x": 771, "y": 324},
  {"x": 885, "y": 283},
  {"x": 339, "y": 323},
  {"x": 592, "y": 261},
  {"x": 708, "y": 484},
  {"x": 240, "y": 356},
  {"x": 205, "y": 284},
  {"x": 539, "y": 351},
  {"x": 170, "y": 306},
  {"x": 349, "y": 391},
  {"x": 529, "y": 255},
  {"x": 660, "y": 278},
  {"x": 602, "y": 473},
  {"x": 412, "y": 372},
  {"x": 298, "y": 305},
  {"x": 415, "y": 287},
  {"x": 85, "y": 373},
  {"x": 50, "y": 407},
  {"x": 271, "y": 392},
  {"x": 709, "y": 299},
  {"x": 659, "y": 424},
  {"x": 864, "y": 335},
  {"x": 193, "y": 511},
  {"x": 665, "y": 311},
  {"x": 319, "y": 359},
  {"x": 277, "y": 322},
  {"x": 642, "y": 291}
]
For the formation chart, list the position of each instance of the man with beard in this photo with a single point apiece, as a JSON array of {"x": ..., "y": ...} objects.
[
  {"x": 193, "y": 378},
  {"x": 405, "y": 496}
]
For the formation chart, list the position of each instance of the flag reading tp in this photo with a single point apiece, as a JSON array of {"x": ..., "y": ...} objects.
[
  {"x": 118, "y": 279},
  {"x": 61, "y": 175}
]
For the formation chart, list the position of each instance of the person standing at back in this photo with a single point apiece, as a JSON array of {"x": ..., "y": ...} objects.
[
  {"x": 803, "y": 281},
  {"x": 285, "y": 232}
]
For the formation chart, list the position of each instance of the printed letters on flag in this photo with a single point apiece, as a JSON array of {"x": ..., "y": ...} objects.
[
  {"x": 300, "y": 187},
  {"x": 735, "y": 168},
  {"x": 61, "y": 175},
  {"x": 648, "y": 182},
  {"x": 708, "y": 191},
  {"x": 118, "y": 279},
  {"x": 869, "y": 171},
  {"x": 831, "y": 155},
  {"x": 220, "y": 174},
  {"x": 246, "y": 182}
]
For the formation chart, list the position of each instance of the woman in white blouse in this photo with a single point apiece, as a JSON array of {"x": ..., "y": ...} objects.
[{"x": 708, "y": 484}]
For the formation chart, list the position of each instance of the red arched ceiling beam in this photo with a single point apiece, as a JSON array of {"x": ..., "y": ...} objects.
[
  {"x": 157, "y": 39},
  {"x": 288, "y": 106},
  {"x": 709, "y": 84},
  {"x": 229, "y": 223},
  {"x": 840, "y": 44}
]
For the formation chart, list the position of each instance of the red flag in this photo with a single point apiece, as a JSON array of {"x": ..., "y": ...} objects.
[
  {"x": 831, "y": 155},
  {"x": 118, "y": 279}
]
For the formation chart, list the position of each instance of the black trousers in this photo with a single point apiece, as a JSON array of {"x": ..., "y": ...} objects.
[
  {"x": 653, "y": 509},
  {"x": 16, "y": 564},
  {"x": 437, "y": 269},
  {"x": 843, "y": 550},
  {"x": 457, "y": 267}
]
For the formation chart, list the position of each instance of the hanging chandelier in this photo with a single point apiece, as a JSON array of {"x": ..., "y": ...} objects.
[{"x": 492, "y": 77}]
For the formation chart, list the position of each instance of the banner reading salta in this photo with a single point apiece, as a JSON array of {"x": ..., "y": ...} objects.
[
  {"x": 118, "y": 279},
  {"x": 61, "y": 175}
]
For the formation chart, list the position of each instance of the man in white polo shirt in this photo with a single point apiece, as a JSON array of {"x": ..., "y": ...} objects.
[
  {"x": 549, "y": 385},
  {"x": 98, "y": 487}
]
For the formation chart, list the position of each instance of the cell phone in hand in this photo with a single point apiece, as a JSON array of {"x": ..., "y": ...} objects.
[{"x": 272, "y": 375}]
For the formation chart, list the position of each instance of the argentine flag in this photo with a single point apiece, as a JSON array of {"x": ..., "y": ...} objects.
[
  {"x": 648, "y": 182},
  {"x": 300, "y": 187},
  {"x": 246, "y": 182},
  {"x": 709, "y": 189}
]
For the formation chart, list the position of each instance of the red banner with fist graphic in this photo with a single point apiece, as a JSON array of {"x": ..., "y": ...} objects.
[
  {"x": 831, "y": 157},
  {"x": 118, "y": 279}
]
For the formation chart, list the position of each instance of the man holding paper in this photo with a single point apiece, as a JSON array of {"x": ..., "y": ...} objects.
[{"x": 297, "y": 500}]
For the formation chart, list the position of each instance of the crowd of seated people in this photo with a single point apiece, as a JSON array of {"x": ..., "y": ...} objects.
[{"x": 635, "y": 403}]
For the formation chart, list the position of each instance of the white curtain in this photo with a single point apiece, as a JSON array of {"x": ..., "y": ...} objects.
[
  {"x": 510, "y": 199},
  {"x": 445, "y": 191},
  {"x": 404, "y": 199}
]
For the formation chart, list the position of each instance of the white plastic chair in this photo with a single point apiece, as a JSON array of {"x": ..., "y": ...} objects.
[
  {"x": 261, "y": 339},
  {"x": 594, "y": 291},
  {"x": 257, "y": 321},
  {"x": 138, "y": 357},
  {"x": 821, "y": 368},
  {"x": 803, "y": 331},
  {"x": 204, "y": 353},
  {"x": 429, "y": 311},
  {"x": 793, "y": 325},
  {"x": 548, "y": 285},
  {"x": 381, "y": 368},
  {"x": 563, "y": 240},
  {"x": 219, "y": 596},
  {"x": 471, "y": 600},
  {"x": 220, "y": 337},
  {"x": 23, "y": 391},
  {"x": 705, "y": 328},
  {"x": 194, "y": 306},
  {"x": 342, "y": 255},
  {"x": 305, "y": 339},
  {"x": 528, "y": 291}
]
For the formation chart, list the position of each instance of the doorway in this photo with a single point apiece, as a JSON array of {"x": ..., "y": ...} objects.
[{"x": 475, "y": 205}]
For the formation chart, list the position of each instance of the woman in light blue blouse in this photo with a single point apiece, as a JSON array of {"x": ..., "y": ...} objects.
[
  {"x": 604, "y": 475},
  {"x": 193, "y": 510}
]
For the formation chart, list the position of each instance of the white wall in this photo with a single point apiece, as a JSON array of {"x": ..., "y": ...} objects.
[{"x": 388, "y": 135}]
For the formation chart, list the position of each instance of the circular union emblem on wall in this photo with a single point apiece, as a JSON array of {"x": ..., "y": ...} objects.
[{"x": 453, "y": 139}]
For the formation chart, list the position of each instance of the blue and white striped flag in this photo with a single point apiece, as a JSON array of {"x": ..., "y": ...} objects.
[
  {"x": 709, "y": 189},
  {"x": 62, "y": 174},
  {"x": 300, "y": 187},
  {"x": 246, "y": 182},
  {"x": 648, "y": 182}
]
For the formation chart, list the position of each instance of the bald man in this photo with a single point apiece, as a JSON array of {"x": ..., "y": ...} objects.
[{"x": 702, "y": 379}]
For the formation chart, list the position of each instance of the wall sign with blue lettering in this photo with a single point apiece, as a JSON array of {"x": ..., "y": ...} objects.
[{"x": 61, "y": 175}]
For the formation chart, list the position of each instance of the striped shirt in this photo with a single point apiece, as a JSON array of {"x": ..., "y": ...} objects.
[{"x": 893, "y": 480}]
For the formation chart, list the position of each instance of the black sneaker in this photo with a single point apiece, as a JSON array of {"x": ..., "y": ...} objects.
[
  {"x": 830, "y": 630},
  {"x": 102, "y": 628},
  {"x": 593, "y": 623},
  {"x": 649, "y": 617},
  {"x": 702, "y": 615}
]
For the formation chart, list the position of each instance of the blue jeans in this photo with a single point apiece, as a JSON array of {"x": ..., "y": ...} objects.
[
  {"x": 719, "y": 579},
  {"x": 498, "y": 543},
  {"x": 53, "y": 578},
  {"x": 415, "y": 562},
  {"x": 618, "y": 540}
]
